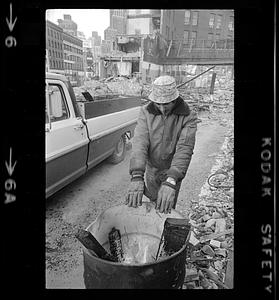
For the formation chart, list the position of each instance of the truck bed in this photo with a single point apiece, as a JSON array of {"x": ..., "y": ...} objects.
[{"x": 93, "y": 109}]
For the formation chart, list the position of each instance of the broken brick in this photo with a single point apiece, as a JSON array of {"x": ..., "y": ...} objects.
[
  {"x": 222, "y": 252},
  {"x": 220, "y": 225},
  {"x": 215, "y": 243},
  {"x": 208, "y": 250},
  {"x": 191, "y": 275},
  {"x": 210, "y": 223}
]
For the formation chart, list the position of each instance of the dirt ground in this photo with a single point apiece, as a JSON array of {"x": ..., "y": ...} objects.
[{"x": 106, "y": 185}]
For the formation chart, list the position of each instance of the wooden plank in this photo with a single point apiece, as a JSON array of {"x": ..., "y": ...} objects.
[
  {"x": 179, "y": 49},
  {"x": 169, "y": 48}
]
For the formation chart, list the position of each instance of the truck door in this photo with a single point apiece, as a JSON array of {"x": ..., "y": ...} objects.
[{"x": 66, "y": 139}]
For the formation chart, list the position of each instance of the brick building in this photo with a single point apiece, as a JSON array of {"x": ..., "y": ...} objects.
[
  {"x": 207, "y": 25},
  {"x": 54, "y": 48},
  {"x": 73, "y": 58},
  {"x": 190, "y": 37},
  {"x": 68, "y": 25}
]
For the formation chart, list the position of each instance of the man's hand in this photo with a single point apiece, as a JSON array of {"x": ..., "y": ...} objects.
[
  {"x": 135, "y": 193},
  {"x": 165, "y": 199}
]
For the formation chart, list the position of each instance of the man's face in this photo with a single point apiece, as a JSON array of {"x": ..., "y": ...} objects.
[{"x": 165, "y": 108}]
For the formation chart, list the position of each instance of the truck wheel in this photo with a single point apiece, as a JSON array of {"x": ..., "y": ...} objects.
[{"x": 119, "y": 152}]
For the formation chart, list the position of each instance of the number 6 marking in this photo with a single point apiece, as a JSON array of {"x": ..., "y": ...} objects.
[{"x": 10, "y": 41}]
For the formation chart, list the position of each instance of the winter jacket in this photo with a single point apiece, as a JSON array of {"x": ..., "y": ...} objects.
[{"x": 164, "y": 143}]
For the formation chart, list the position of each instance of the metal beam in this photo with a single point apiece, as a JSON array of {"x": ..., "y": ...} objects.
[{"x": 195, "y": 77}]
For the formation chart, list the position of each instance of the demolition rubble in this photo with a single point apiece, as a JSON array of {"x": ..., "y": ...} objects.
[
  {"x": 209, "y": 263},
  {"x": 196, "y": 93}
]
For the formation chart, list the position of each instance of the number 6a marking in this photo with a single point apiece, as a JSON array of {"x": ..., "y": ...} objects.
[{"x": 10, "y": 41}]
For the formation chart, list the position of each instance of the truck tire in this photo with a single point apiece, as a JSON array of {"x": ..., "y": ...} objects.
[{"x": 119, "y": 152}]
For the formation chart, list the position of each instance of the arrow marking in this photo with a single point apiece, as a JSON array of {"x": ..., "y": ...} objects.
[
  {"x": 10, "y": 22},
  {"x": 10, "y": 167}
]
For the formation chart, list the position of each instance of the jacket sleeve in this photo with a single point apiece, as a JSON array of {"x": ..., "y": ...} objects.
[
  {"x": 184, "y": 149},
  {"x": 140, "y": 145}
]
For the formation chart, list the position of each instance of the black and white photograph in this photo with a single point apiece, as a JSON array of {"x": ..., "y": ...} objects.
[{"x": 139, "y": 147}]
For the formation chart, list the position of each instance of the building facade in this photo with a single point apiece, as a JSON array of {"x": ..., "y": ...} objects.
[
  {"x": 96, "y": 39},
  {"x": 73, "y": 59},
  {"x": 118, "y": 20},
  {"x": 143, "y": 21},
  {"x": 196, "y": 37},
  {"x": 54, "y": 48},
  {"x": 204, "y": 27},
  {"x": 68, "y": 25}
]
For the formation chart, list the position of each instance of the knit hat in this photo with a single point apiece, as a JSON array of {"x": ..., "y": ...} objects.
[{"x": 164, "y": 90}]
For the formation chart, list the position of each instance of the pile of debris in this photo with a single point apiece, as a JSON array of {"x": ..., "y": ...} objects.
[
  {"x": 95, "y": 88},
  {"x": 210, "y": 250},
  {"x": 118, "y": 53},
  {"x": 124, "y": 86},
  {"x": 109, "y": 88},
  {"x": 199, "y": 100}
]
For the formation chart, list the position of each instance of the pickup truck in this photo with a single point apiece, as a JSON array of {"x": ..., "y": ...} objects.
[{"x": 81, "y": 134}]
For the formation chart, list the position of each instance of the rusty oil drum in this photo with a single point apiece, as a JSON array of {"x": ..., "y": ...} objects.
[{"x": 165, "y": 273}]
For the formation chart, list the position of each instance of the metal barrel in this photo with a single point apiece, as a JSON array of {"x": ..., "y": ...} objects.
[{"x": 165, "y": 273}]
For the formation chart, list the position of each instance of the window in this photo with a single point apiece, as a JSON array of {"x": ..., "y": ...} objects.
[
  {"x": 185, "y": 36},
  {"x": 209, "y": 40},
  {"x": 187, "y": 17},
  {"x": 231, "y": 27},
  {"x": 218, "y": 42},
  {"x": 193, "y": 37},
  {"x": 219, "y": 22},
  {"x": 195, "y": 18},
  {"x": 58, "y": 109},
  {"x": 211, "y": 21}
]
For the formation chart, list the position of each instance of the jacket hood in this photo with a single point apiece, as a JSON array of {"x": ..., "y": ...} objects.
[{"x": 180, "y": 108}]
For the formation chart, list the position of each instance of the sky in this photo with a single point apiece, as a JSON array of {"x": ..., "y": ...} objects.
[{"x": 87, "y": 20}]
